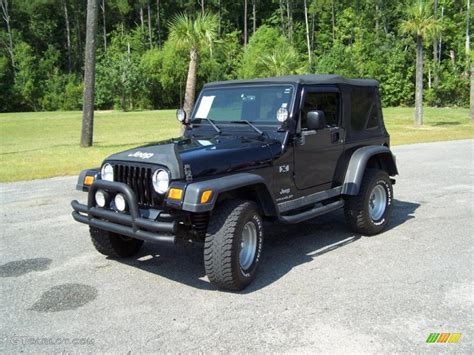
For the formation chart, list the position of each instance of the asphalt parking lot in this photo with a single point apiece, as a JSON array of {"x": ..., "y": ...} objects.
[{"x": 320, "y": 288}]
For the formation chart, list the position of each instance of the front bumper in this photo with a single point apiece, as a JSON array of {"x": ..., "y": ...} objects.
[{"x": 130, "y": 224}]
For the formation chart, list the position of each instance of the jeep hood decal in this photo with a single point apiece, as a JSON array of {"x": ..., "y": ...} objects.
[
  {"x": 162, "y": 153},
  {"x": 204, "y": 157}
]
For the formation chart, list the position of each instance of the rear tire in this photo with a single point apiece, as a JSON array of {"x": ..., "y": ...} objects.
[
  {"x": 233, "y": 245},
  {"x": 368, "y": 213},
  {"x": 114, "y": 245}
]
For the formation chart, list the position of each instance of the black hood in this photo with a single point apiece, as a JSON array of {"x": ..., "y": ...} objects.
[{"x": 206, "y": 156}]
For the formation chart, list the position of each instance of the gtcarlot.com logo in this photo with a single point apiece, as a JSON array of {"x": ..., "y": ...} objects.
[
  {"x": 443, "y": 338},
  {"x": 30, "y": 340}
]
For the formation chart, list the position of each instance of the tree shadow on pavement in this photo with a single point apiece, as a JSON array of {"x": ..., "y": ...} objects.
[{"x": 285, "y": 247}]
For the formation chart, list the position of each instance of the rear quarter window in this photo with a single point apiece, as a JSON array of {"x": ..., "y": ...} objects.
[{"x": 363, "y": 108}]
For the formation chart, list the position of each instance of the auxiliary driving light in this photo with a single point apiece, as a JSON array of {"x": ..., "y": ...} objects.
[
  {"x": 100, "y": 198},
  {"x": 120, "y": 203},
  {"x": 282, "y": 114},
  {"x": 181, "y": 115}
]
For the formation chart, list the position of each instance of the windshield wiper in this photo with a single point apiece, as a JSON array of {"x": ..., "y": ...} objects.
[
  {"x": 218, "y": 130},
  {"x": 250, "y": 124}
]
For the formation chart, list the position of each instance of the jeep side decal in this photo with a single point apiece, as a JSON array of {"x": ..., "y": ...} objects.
[{"x": 284, "y": 168}]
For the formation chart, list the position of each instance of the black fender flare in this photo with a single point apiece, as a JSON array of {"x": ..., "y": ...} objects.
[
  {"x": 194, "y": 190},
  {"x": 358, "y": 163}
]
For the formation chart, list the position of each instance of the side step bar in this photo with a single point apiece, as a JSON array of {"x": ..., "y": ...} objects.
[{"x": 314, "y": 212}]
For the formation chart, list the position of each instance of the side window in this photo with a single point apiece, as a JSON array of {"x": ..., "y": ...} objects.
[
  {"x": 328, "y": 102},
  {"x": 363, "y": 108}
]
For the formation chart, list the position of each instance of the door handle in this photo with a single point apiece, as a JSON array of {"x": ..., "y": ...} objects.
[{"x": 335, "y": 137}]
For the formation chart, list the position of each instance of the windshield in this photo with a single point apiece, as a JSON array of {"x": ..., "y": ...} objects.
[{"x": 257, "y": 104}]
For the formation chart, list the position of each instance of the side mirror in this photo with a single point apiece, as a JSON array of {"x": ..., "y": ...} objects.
[
  {"x": 315, "y": 120},
  {"x": 181, "y": 115}
]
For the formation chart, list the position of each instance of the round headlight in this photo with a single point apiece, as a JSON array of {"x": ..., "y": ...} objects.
[
  {"x": 107, "y": 172},
  {"x": 120, "y": 203},
  {"x": 161, "y": 181}
]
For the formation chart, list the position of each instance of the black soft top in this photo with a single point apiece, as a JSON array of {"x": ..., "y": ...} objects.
[{"x": 311, "y": 79}]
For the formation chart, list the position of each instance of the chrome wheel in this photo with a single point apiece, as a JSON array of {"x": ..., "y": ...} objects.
[
  {"x": 377, "y": 202},
  {"x": 248, "y": 245}
]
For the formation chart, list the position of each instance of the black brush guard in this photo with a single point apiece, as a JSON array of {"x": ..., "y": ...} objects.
[{"x": 129, "y": 224}]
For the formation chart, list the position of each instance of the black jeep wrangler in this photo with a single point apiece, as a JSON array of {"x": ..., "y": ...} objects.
[{"x": 283, "y": 149}]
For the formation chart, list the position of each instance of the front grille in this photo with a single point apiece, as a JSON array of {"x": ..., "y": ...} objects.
[{"x": 139, "y": 179}]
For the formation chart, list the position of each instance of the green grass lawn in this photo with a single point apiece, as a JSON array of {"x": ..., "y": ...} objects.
[
  {"x": 440, "y": 124},
  {"x": 46, "y": 144}
]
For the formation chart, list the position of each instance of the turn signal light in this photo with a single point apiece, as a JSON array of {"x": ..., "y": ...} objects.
[
  {"x": 206, "y": 196},
  {"x": 88, "y": 180},
  {"x": 175, "y": 194}
]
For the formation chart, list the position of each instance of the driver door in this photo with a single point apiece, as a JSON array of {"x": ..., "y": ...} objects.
[{"x": 317, "y": 152}]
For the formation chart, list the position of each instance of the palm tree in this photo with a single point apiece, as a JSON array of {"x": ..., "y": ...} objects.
[
  {"x": 193, "y": 35},
  {"x": 89, "y": 76},
  {"x": 283, "y": 60},
  {"x": 471, "y": 100},
  {"x": 421, "y": 24}
]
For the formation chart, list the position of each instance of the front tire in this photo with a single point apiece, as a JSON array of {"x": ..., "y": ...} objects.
[
  {"x": 114, "y": 245},
  {"x": 368, "y": 213},
  {"x": 233, "y": 245}
]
